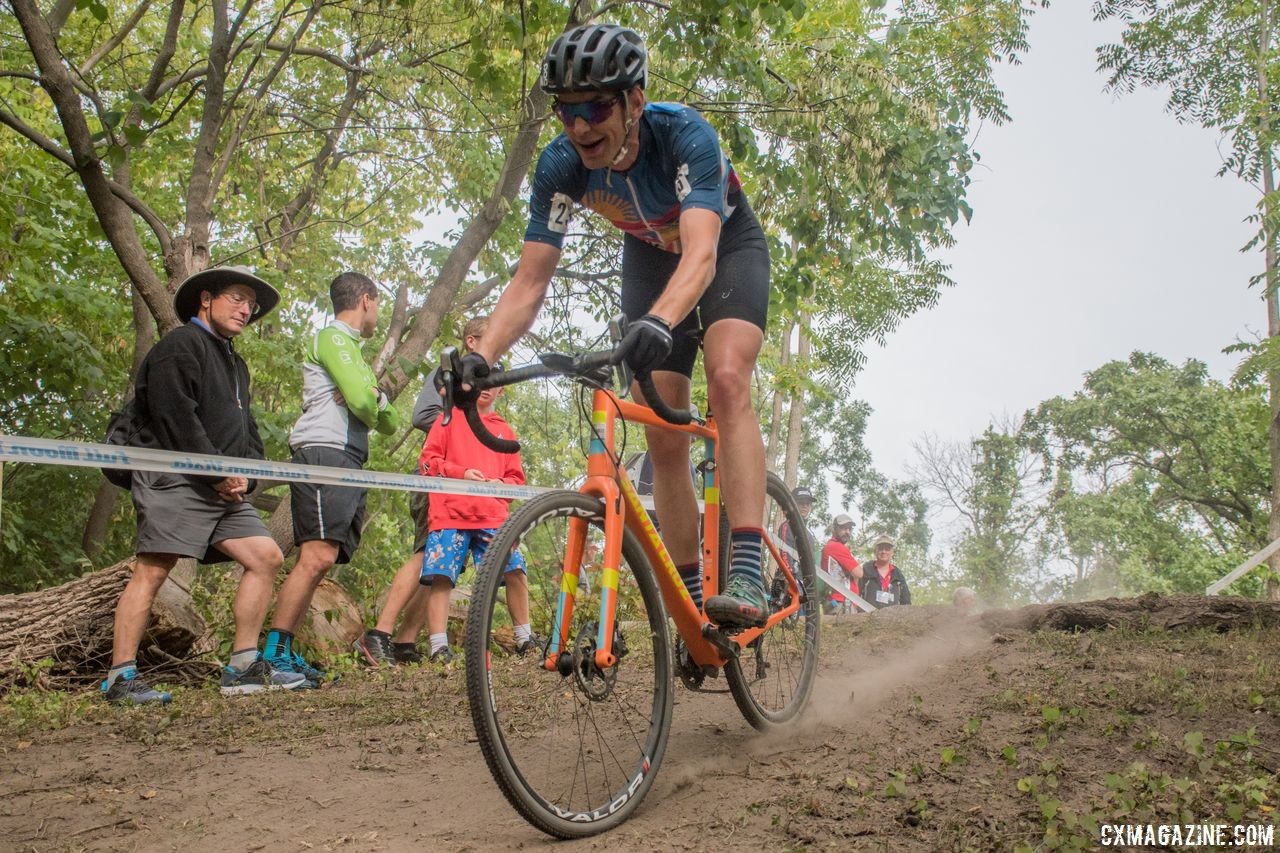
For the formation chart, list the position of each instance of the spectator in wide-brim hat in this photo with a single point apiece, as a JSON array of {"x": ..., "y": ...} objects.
[
  {"x": 192, "y": 395},
  {"x": 217, "y": 280}
]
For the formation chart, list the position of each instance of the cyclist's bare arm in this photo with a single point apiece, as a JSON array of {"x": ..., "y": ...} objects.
[
  {"x": 699, "y": 237},
  {"x": 520, "y": 302}
]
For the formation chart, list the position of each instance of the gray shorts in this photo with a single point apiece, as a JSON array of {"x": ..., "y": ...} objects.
[{"x": 185, "y": 516}]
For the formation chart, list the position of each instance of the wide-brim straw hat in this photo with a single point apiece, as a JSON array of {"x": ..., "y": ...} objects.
[{"x": 186, "y": 302}]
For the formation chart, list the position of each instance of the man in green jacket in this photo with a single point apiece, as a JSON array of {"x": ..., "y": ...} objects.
[{"x": 341, "y": 402}]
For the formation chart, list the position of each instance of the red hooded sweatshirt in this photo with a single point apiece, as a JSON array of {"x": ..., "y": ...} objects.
[{"x": 451, "y": 450}]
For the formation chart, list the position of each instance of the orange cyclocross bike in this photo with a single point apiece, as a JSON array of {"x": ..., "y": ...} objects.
[{"x": 574, "y": 735}]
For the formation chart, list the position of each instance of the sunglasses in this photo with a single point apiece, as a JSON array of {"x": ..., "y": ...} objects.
[{"x": 592, "y": 112}]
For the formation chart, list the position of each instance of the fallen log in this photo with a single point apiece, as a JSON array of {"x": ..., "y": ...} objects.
[
  {"x": 1152, "y": 611},
  {"x": 71, "y": 625}
]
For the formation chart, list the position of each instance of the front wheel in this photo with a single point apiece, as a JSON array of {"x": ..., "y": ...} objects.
[
  {"x": 575, "y": 749},
  {"x": 772, "y": 677}
]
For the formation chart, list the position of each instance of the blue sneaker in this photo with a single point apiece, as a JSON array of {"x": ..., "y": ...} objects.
[
  {"x": 311, "y": 673},
  {"x": 285, "y": 663},
  {"x": 258, "y": 676},
  {"x": 129, "y": 689}
]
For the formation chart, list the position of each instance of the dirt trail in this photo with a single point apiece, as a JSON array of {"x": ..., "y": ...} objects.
[{"x": 922, "y": 726}]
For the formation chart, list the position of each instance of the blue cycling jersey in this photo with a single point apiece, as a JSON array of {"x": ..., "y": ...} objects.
[{"x": 679, "y": 167}]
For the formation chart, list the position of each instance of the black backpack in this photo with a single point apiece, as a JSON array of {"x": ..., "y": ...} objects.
[{"x": 121, "y": 429}]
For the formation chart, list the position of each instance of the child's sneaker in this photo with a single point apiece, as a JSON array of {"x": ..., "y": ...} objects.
[
  {"x": 406, "y": 653},
  {"x": 533, "y": 644},
  {"x": 258, "y": 676},
  {"x": 129, "y": 689}
]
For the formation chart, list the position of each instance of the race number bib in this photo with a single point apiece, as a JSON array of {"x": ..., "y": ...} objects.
[
  {"x": 561, "y": 213},
  {"x": 683, "y": 188}
]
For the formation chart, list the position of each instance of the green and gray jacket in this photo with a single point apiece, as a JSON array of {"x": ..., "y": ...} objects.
[{"x": 341, "y": 400}]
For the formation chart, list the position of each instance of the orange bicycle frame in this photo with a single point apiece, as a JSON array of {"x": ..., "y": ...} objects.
[{"x": 607, "y": 480}]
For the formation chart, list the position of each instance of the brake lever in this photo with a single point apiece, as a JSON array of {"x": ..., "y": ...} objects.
[
  {"x": 448, "y": 374},
  {"x": 617, "y": 331}
]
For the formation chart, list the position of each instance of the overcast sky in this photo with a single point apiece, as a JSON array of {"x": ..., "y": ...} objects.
[{"x": 1099, "y": 228}]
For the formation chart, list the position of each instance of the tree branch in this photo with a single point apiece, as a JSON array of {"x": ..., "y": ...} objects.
[
  {"x": 116, "y": 39},
  {"x": 113, "y": 214}
]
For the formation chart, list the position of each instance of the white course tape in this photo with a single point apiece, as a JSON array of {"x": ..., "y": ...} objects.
[
  {"x": 836, "y": 582},
  {"x": 840, "y": 585},
  {"x": 86, "y": 455}
]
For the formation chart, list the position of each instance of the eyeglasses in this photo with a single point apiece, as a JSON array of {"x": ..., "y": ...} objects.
[
  {"x": 238, "y": 299},
  {"x": 593, "y": 112}
]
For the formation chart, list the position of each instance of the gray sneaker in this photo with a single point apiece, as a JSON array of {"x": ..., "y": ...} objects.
[
  {"x": 258, "y": 676},
  {"x": 741, "y": 605},
  {"x": 129, "y": 689},
  {"x": 374, "y": 650}
]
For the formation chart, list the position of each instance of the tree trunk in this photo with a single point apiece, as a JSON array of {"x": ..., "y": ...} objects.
[
  {"x": 775, "y": 424},
  {"x": 1273, "y": 303},
  {"x": 795, "y": 418},
  {"x": 95, "y": 528}
]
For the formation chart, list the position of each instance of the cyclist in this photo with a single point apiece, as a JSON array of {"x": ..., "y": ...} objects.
[{"x": 695, "y": 261}]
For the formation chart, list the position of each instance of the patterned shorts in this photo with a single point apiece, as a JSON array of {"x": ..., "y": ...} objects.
[{"x": 446, "y": 553}]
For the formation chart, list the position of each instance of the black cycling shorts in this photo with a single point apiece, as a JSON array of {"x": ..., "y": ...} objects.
[{"x": 739, "y": 290}]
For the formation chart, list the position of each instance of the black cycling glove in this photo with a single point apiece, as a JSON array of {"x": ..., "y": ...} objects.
[
  {"x": 472, "y": 367},
  {"x": 647, "y": 344}
]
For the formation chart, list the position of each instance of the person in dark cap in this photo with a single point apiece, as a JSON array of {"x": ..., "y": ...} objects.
[
  {"x": 192, "y": 396},
  {"x": 804, "y": 501}
]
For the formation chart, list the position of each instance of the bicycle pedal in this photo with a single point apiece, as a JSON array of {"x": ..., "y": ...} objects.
[{"x": 722, "y": 641}]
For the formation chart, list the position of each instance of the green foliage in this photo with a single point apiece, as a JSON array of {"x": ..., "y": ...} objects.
[
  {"x": 341, "y": 129},
  {"x": 1161, "y": 474}
]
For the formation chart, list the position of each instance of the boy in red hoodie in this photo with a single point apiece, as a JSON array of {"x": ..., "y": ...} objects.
[{"x": 462, "y": 524}]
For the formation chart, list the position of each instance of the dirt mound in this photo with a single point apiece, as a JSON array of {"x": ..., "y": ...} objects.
[{"x": 930, "y": 730}]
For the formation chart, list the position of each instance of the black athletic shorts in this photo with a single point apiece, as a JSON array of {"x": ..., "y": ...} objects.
[
  {"x": 419, "y": 504},
  {"x": 739, "y": 290},
  {"x": 335, "y": 513}
]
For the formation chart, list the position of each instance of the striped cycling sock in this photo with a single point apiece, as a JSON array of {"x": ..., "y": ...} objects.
[
  {"x": 748, "y": 545},
  {"x": 691, "y": 574}
]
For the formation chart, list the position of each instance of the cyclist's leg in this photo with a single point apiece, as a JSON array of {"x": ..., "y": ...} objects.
[
  {"x": 734, "y": 311},
  {"x": 731, "y": 348}
]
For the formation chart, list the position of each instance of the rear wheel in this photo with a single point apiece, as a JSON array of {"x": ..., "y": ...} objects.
[
  {"x": 771, "y": 679},
  {"x": 574, "y": 750}
]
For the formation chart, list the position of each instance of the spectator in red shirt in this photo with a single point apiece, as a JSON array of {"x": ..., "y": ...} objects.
[{"x": 837, "y": 560}]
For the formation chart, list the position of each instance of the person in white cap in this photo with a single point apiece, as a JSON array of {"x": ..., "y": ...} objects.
[
  {"x": 883, "y": 583},
  {"x": 192, "y": 395},
  {"x": 838, "y": 560}
]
